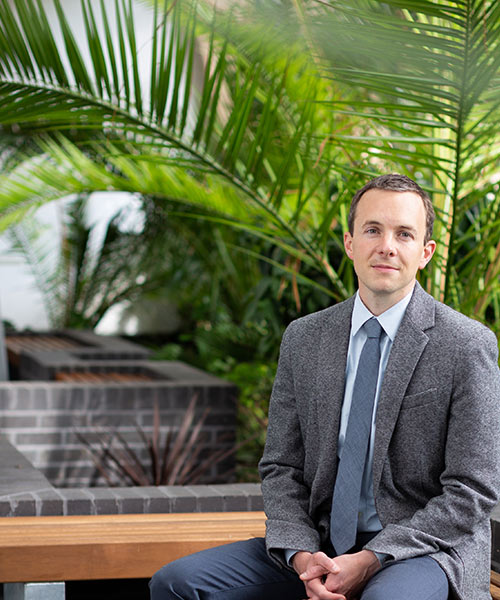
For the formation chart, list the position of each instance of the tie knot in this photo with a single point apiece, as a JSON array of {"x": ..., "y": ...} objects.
[{"x": 373, "y": 328}]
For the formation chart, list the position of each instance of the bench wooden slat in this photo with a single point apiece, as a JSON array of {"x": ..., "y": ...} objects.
[
  {"x": 112, "y": 546},
  {"x": 103, "y": 531},
  {"x": 495, "y": 585}
]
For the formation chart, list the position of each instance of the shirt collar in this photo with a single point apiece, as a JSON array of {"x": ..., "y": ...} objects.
[{"x": 390, "y": 320}]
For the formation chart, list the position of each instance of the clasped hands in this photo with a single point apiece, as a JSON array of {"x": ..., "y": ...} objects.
[{"x": 339, "y": 578}]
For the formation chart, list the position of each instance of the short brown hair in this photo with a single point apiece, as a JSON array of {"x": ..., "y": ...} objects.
[{"x": 395, "y": 182}]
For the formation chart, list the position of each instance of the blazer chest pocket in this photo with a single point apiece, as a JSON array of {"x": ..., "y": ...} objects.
[
  {"x": 416, "y": 450},
  {"x": 424, "y": 414},
  {"x": 420, "y": 399}
]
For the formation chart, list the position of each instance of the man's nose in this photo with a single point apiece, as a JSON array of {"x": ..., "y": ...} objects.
[{"x": 387, "y": 244}]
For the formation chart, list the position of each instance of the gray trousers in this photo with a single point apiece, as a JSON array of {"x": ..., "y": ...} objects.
[{"x": 243, "y": 571}]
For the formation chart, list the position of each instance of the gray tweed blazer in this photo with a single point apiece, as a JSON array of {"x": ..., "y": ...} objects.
[{"x": 436, "y": 467}]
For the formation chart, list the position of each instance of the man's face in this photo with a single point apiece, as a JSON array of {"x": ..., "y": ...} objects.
[{"x": 387, "y": 246}]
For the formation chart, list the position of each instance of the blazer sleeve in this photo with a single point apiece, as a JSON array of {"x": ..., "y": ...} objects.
[
  {"x": 286, "y": 494},
  {"x": 471, "y": 476}
]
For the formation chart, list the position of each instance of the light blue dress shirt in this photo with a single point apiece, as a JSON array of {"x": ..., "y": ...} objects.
[{"x": 390, "y": 321}]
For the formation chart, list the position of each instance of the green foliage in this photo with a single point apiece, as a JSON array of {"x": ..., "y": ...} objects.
[
  {"x": 249, "y": 143},
  {"x": 254, "y": 380},
  {"x": 248, "y": 135},
  {"x": 238, "y": 354},
  {"x": 289, "y": 102}
]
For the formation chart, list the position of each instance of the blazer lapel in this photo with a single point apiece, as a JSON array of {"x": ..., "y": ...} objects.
[
  {"x": 405, "y": 353},
  {"x": 332, "y": 358}
]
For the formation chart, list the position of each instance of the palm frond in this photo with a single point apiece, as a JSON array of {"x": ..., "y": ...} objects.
[{"x": 254, "y": 113}]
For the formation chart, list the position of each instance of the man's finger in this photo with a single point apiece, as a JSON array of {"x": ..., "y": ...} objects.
[
  {"x": 314, "y": 572},
  {"x": 320, "y": 565},
  {"x": 317, "y": 591}
]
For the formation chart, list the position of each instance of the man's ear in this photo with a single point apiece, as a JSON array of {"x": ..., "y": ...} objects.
[
  {"x": 348, "y": 244},
  {"x": 427, "y": 254}
]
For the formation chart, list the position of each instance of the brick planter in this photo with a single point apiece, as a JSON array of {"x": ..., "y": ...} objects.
[
  {"x": 77, "y": 381},
  {"x": 40, "y": 355},
  {"x": 25, "y": 492}
]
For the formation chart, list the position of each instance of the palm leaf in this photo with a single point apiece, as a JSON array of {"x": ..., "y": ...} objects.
[
  {"x": 232, "y": 148},
  {"x": 444, "y": 82},
  {"x": 290, "y": 98}
]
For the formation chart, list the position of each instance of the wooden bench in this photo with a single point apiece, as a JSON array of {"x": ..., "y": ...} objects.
[
  {"x": 495, "y": 585},
  {"x": 38, "y": 554},
  {"x": 34, "y": 550}
]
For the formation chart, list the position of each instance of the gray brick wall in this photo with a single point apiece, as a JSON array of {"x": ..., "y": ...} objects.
[
  {"x": 40, "y": 419},
  {"x": 25, "y": 491}
]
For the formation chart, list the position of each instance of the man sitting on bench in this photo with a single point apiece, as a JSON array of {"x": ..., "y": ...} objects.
[{"x": 381, "y": 464}]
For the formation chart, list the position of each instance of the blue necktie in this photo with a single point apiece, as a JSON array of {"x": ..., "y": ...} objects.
[{"x": 347, "y": 490}]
